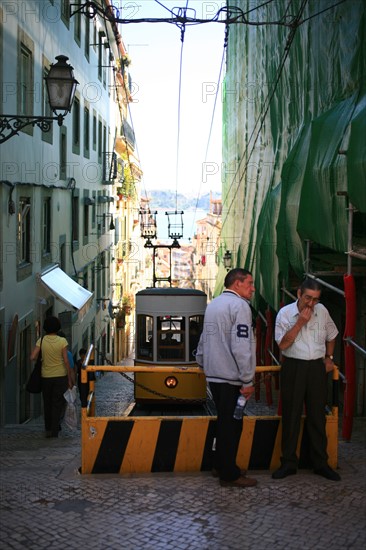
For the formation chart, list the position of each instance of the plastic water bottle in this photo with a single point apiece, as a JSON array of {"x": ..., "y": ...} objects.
[{"x": 240, "y": 406}]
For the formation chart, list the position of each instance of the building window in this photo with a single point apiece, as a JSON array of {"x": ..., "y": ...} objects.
[
  {"x": 98, "y": 273},
  {"x": 94, "y": 131},
  {"x": 25, "y": 76},
  {"x": 87, "y": 38},
  {"x": 24, "y": 226},
  {"x": 77, "y": 26},
  {"x": 86, "y": 132},
  {"x": 25, "y": 98},
  {"x": 92, "y": 281},
  {"x": 100, "y": 56},
  {"x": 46, "y": 226},
  {"x": 104, "y": 57},
  {"x": 100, "y": 137},
  {"x": 86, "y": 221},
  {"x": 62, "y": 257},
  {"x": 75, "y": 218},
  {"x": 85, "y": 278},
  {"x": 76, "y": 126},
  {"x": 63, "y": 152},
  {"x": 104, "y": 152},
  {"x": 65, "y": 12},
  {"x": 94, "y": 210},
  {"x": 102, "y": 271}
]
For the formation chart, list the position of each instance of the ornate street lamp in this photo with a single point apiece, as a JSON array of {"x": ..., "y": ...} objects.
[
  {"x": 112, "y": 227},
  {"x": 227, "y": 260},
  {"x": 61, "y": 87}
]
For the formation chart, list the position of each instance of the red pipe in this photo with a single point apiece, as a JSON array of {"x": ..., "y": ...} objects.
[
  {"x": 267, "y": 357},
  {"x": 277, "y": 379},
  {"x": 349, "y": 354},
  {"x": 258, "y": 331},
  {"x": 269, "y": 335},
  {"x": 258, "y": 334}
]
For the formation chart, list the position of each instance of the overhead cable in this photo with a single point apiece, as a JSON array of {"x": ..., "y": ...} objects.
[
  {"x": 213, "y": 112},
  {"x": 180, "y": 16},
  {"x": 261, "y": 118}
]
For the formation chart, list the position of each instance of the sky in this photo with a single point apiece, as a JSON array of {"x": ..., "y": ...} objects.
[{"x": 155, "y": 50}]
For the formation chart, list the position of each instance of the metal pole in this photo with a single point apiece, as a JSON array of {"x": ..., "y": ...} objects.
[
  {"x": 289, "y": 293},
  {"x": 350, "y": 231},
  {"x": 339, "y": 291},
  {"x": 170, "y": 266},
  {"x": 273, "y": 357},
  {"x": 154, "y": 275},
  {"x": 358, "y": 348},
  {"x": 262, "y": 317}
]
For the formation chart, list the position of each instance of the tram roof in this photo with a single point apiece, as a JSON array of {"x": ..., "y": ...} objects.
[{"x": 170, "y": 291}]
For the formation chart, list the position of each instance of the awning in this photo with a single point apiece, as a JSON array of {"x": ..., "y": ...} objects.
[
  {"x": 89, "y": 201},
  {"x": 66, "y": 289}
]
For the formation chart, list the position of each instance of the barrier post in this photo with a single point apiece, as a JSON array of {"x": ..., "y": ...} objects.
[{"x": 129, "y": 444}]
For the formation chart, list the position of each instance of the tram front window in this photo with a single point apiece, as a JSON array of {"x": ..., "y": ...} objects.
[
  {"x": 195, "y": 329},
  {"x": 171, "y": 338},
  {"x": 144, "y": 337}
]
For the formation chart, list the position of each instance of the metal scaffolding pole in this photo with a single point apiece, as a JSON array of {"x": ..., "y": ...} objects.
[{"x": 332, "y": 287}]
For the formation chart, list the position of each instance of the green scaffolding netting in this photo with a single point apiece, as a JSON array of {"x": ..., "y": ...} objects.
[{"x": 294, "y": 140}]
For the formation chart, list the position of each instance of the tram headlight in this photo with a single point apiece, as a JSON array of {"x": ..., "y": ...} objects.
[{"x": 171, "y": 382}]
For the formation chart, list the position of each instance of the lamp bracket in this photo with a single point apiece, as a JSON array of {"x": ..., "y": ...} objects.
[{"x": 10, "y": 125}]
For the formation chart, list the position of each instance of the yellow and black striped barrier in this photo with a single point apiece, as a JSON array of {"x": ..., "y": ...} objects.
[{"x": 184, "y": 444}]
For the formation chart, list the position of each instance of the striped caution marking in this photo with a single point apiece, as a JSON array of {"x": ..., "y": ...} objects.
[{"x": 155, "y": 444}]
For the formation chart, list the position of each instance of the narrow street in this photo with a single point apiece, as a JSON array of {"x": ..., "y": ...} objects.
[{"x": 46, "y": 503}]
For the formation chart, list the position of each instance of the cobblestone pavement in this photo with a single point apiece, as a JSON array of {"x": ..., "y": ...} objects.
[{"x": 46, "y": 503}]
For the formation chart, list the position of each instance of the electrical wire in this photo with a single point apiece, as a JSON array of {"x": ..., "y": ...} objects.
[
  {"x": 163, "y": 6},
  {"x": 322, "y": 11},
  {"x": 212, "y": 118},
  {"x": 235, "y": 15},
  {"x": 122, "y": 118},
  {"x": 181, "y": 21},
  {"x": 295, "y": 23},
  {"x": 261, "y": 117},
  {"x": 178, "y": 120},
  {"x": 179, "y": 109}
]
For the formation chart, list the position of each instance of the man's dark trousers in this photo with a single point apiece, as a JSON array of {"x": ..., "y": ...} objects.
[
  {"x": 303, "y": 382},
  {"x": 228, "y": 430}
]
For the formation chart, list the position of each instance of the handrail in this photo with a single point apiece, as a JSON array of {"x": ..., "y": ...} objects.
[
  {"x": 358, "y": 348},
  {"x": 87, "y": 357},
  {"x": 167, "y": 369},
  {"x": 273, "y": 357},
  {"x": 88, "y": 407}
]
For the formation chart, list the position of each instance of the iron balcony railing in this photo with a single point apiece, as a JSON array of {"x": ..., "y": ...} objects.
[{"x": 128, "y": 133}]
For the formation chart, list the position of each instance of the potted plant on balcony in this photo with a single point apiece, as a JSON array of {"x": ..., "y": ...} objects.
[
  {"x": 127, "y": 303},
  {"x": 126, "y": 60},
  {"x": 122, "y": 62},
  {"x": 120, "y": 193},
  {"x": 120, "y": 319}
]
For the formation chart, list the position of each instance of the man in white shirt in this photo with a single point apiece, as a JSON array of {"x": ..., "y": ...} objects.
[{"x": 305, "y": 333}]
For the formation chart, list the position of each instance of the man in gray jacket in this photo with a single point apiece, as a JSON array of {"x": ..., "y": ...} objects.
[{"x": 226, "y": 351}]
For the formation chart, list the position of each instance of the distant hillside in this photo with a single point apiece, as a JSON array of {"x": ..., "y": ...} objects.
[{"x": 167, "y": 200}]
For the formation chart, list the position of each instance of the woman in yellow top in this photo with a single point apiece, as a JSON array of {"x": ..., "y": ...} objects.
[{"x": 56, "y": 374}]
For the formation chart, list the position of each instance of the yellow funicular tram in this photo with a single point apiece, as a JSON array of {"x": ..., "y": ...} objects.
[{"x": 169, "y": 322}]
